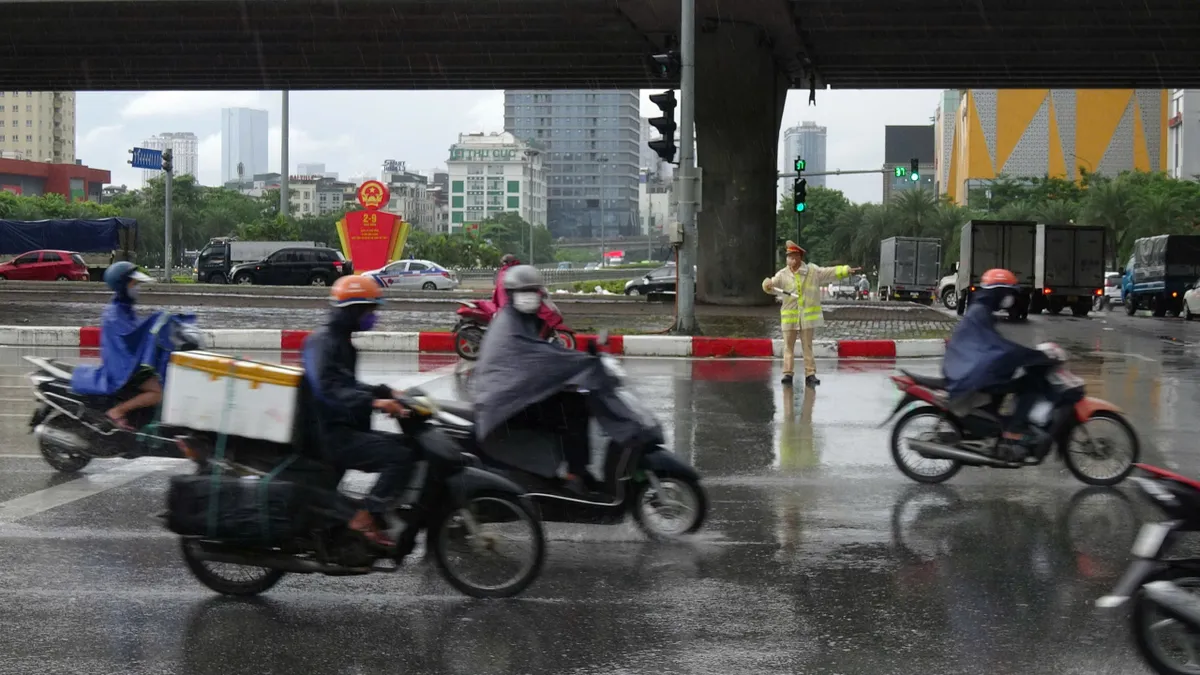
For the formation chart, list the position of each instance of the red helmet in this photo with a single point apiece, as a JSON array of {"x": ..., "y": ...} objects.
[{"x": 998, "y": 278}]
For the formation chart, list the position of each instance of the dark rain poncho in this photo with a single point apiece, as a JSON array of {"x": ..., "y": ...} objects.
[
  {"x": 517, "y": 369},
  {"x": 977, "y": 355}
]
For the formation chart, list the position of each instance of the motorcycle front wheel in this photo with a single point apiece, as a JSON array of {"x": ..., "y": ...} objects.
[
  {"x": 1102, "y": 450},
  {"x": 467, "y": 341},
  {"x": 1166, "y": 645},
  {"x": 677, "y": 508},
  {"x": 565, "y": 338},
  {"x": 482, "y": 532}
]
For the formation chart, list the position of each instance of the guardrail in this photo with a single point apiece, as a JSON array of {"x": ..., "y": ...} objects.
[{"x": 556, "y": 276}]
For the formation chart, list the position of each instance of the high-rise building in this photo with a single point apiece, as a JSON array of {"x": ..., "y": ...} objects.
[
  {"x": 901, "y": 145},
  {"x": 1030, "y": 133},
  {"x": 494, "y": 173},
  {"x": 38, "y": 126},
  {"x": 1183, "y": 134},
  {"x": 314, "y": 169},
  {"x": 592, "y": 140},
  {"x": 184, "y": 147},
  {"x": 807, "y": 142},
  {"x": 943, "y": 136},
  {"x": 243, "y": 143}
]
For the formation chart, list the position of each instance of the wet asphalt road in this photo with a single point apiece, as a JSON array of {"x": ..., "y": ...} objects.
[{"x": 819, "y": 557}]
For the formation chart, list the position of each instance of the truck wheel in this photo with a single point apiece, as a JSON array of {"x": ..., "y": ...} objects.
[
  {"x": 217, "y": 278},
  {"x": 1131, "y": 307},
  {"x": 1054, "y": 310},
  {"x": 961, "y": 305},
  {"x": 1158, "y": 307},
  {"x": 950, "y": 297}
]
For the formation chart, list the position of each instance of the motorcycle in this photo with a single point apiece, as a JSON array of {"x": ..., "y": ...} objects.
[
  {"x": 968, "y": 433},
  {"x": 662, "y": 492},
  {"x": 72, "y": 429},
  {"x": 1156, "y": 605},
  {"x": 304, "y": 517},
  {"x": 475, "y": 315}
]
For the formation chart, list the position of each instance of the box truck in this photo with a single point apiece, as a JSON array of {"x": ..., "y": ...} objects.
[
  {"x": 1068, "y": 269},
  {"x": 909, "y": 269},
  {"x": 988, "y": 244},
  {"x": 1160, "y": 272}
]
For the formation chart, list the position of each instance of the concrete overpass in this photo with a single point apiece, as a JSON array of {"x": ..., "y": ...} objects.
[{"x": 749, "y": 53}]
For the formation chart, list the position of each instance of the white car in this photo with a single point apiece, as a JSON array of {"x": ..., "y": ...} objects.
[
  {"x": 1191, "y": 301},
  {"x": 415, "y": 275},
  {"x": 1112, "y": 292}
]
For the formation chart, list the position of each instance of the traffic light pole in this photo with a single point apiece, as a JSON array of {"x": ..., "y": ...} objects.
[
  {"x": 835, "y": 172},
  {"x": 167, "y": 180},
  {"x": 685, "y": 322}
]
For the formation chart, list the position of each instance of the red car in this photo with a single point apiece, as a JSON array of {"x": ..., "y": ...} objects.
[{"x": 45, "y": 266}]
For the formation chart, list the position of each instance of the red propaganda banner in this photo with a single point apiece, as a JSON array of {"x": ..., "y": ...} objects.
[
  {"x": 372, "y": 238},
  {"x": 15, "y": 189}
]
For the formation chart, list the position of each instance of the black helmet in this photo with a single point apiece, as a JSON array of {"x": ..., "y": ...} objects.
[
  {"x": 523, "y": 278},
  {"x": 509, "y": 259}
]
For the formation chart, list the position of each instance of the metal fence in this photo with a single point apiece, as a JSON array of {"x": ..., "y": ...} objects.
[{"x": 557, "y": 276}]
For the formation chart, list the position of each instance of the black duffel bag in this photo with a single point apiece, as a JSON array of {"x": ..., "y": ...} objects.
[{"x": 261, "y": 512}]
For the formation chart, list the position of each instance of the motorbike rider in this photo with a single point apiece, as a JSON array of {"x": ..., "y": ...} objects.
[
  {"x": 343, "y": 405},
  {"x": 498, "y": 295},
  {"x": 979, "y": 358},
  {"x": 126, "y": 350},
  {"x": 504, "y": 403}
]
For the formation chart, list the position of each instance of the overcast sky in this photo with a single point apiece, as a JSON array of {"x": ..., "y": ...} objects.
[{"x": 353, "y": 132}]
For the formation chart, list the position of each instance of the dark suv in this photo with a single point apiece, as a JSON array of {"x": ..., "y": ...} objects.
[{"x": 293, "y": 267}]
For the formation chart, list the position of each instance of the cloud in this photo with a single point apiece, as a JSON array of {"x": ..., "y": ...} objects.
[
  {"x": 302, "y": 144},
  {"x": 96, "y": 134},
  {"x": 189, "y": 103},
  {"x": 208, "y": 160}
]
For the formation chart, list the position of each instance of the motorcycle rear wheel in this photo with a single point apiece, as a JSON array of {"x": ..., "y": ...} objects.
[
  {"x": 951, "y": 466},
  {"x": 452, "y": 526},
  {"x": 60, "y": 459},
  {"x": 261, "y": 583},
  {"x": 467, "y": 341}
]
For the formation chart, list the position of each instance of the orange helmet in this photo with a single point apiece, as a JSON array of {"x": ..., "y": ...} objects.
[
  {"x": 998, "y": 278},
  {"x": 355, "y": 289}
]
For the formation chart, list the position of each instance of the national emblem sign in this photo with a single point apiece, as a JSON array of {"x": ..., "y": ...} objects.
[{"x": 372, "y": 238}]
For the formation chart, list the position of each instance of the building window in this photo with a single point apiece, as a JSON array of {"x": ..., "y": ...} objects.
[
  {"x": 29, "y": 123},
  {"x": 456, "y": 217},
  {"x": 29, "y": 138},
  {"x": 456, "y": 186},
  {"x": 456, "y": 202},
  {"x": 514, "y": 202},
  {"x": 514, "y": 186}
]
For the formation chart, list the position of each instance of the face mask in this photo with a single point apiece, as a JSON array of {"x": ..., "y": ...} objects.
[
  {"x": 527, "y": 302},
  {"x": 134, "y": 291},
  {"x": 368, "y": 321},
  {"x": 1007, "y": 301}
]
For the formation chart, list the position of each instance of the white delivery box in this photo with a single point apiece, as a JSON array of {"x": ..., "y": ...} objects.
[{"x": 225, "y": 394}]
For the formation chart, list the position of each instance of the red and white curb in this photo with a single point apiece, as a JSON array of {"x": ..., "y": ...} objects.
[{"x": 88, "y": 337}]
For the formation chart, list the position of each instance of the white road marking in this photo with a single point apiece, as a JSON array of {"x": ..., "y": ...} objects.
[{"x": 84, "y": 486}]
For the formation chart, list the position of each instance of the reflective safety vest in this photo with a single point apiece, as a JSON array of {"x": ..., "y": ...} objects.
[{"x": 806, "y": 281}]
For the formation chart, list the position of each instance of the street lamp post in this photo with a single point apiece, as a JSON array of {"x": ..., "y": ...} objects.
[{"x": 603, "y": 241}]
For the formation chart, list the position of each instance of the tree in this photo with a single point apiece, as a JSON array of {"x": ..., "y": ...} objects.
[{"x": 509, "y": 233}]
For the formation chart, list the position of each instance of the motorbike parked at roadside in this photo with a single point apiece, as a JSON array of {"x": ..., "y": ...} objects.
[
  {"x": 1157, "y": 606},
  {"x": 271, "y": 510},
  {"x": 969, "y": 433},
  {"x": 475, "y": 315},
  {"x": 72, "y": 429},
  {"x": 660, "y": 490}
]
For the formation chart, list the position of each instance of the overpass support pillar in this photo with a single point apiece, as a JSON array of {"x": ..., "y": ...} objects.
[{"x": 740, "y": 94}]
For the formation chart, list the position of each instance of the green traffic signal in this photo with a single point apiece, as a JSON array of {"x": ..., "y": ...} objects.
[
  {"x": 914, "y": 177},
  {"x": 800, "y": 206},
  {"x": 901, "y": 172},
  {"x": 800, "y": 164}
]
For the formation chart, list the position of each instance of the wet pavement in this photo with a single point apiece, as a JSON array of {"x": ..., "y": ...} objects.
[{"x": 819, "y": 556}]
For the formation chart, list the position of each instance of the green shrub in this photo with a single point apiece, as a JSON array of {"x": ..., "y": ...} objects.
[{"x": 610, "y": 285}]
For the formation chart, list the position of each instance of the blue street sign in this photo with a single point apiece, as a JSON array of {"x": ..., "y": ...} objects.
[{"x": 145, "y": 158}]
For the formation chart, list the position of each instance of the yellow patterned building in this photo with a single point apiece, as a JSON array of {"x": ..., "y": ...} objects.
[{"x": 1024, "y": 133}]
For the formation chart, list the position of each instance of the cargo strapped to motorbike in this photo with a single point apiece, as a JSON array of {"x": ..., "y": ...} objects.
[{"x": 255, "y": 509}]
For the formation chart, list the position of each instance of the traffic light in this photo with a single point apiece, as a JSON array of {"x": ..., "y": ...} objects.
[
  {"x": 914, "y": 172},
  {"x": 166, "y": 156},
  {"x": 667, "y": 65},
  {"x": 901, "y": 172},
  {"x": 800, "y": 164},
  {"x": 800, "y": 194},
  {"x": 665, "y": 146}
]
